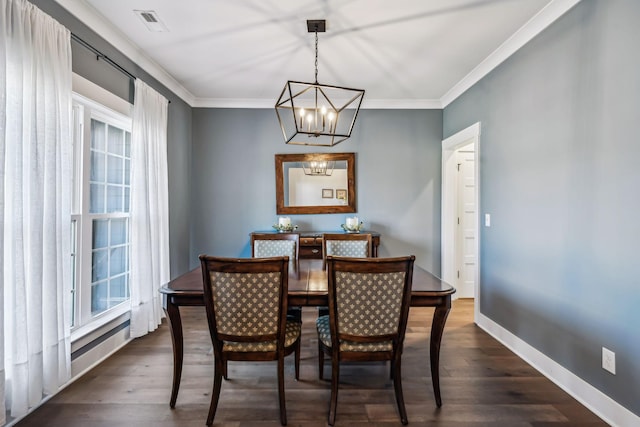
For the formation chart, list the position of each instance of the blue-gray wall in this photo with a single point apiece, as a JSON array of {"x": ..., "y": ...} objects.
[
  {"x": 398, "y": 173},
  {"x": 559, "y": 176},
  {"x": 179, "y": 123}
]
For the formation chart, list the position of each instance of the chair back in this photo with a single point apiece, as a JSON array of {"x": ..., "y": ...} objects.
[
  {"x": 245, "y": 299},
  {"x": 369, "y": 302},
  {"x": 266, "y": 245},
  {"x": 355, "y": 245}
]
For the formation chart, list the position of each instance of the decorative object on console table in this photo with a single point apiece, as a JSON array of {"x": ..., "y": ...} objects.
[
  {"x": 284, "y": 225},
  {"x": 352, "y": 225}
]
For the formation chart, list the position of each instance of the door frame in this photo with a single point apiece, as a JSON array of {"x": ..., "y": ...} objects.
[{"x": 449, "y": 205}]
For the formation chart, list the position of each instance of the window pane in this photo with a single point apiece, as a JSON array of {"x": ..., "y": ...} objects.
[
  {"x": 96, "y": 198},
  {"x": 114, "y": 169},
  {"x": 118, "y": 231},
  {"x": 116, "y": 141},
  {"x": 99, "y": 265},
  {"x": 98, "y": 173},
  {"x": 118, "y": 290},
  {"x": 97, "y": 135},
  {"x": 115, "y": 194},
  {"x": 127, "y": 172},
  {"x": 99, "y": 301},
  {"x": 118, "y": 261},
  {"x": 100, "y": 233},
  {"x": 127, "y": 144},
  {"x": 127, "y": 199}
]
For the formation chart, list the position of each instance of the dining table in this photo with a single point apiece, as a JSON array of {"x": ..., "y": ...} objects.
[{"x": 307, "y": 287}]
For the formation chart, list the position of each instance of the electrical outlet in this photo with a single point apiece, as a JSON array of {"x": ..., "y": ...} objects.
[{"x": 608, "y": 360}]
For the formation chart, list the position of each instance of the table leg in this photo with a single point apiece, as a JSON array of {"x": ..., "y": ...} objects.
[
  {"x": 437, "y": 328},
  {"x": 178, "y": 351}
]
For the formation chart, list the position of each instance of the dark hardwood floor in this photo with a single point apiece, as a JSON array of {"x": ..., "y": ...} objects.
[{"x": 482, "y": 383}]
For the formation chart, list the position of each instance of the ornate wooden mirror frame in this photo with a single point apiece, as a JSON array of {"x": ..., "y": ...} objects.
[{"x": 281, "y": 181}]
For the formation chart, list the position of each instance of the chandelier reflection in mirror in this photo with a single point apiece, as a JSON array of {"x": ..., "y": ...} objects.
[
  {"x": 317, "y": 114},
  {"x": 318, "y": 168}
]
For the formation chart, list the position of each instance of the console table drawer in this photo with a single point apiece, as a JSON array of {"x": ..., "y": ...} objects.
[
  {"x": 311, "y": 252},
  {"x": 310, "y": 241}
]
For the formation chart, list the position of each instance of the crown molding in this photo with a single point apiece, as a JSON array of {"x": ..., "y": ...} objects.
[
  {"x": 367, "y": 104},
  {"x": 92, "y": 19},
  {"x": 547, "y": 15}
]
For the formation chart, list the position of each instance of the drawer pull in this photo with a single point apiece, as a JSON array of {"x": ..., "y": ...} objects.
[{"x": 315, "y": 251}]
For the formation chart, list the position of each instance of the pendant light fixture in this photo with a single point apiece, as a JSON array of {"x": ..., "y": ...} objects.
[{"x": 314, "y": 113}]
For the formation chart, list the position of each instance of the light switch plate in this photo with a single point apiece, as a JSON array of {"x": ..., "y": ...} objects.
[{"x": 487, "y": 220}]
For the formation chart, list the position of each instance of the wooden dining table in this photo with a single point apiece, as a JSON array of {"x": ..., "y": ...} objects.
[{"x": 308, "y": 288}]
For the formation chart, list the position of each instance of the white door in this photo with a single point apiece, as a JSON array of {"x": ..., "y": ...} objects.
[
  {"x": 460, "y": 249},
  {"x": 466, "y": 222}
]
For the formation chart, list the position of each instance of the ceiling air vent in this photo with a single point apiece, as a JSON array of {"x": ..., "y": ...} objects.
[{"x": 151, "y": 20}]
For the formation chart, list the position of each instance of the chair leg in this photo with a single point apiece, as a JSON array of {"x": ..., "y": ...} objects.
[
  {"x": 397, "y": 384},
  {"x": 224, "y": 370},
  {"x": 320, "y": 361},
  {"x": 297, "y": 359},
  {"x": 335, "y": 379},
  {"x": 215, "y": 396},
  {"x": 283, "y": 409}
]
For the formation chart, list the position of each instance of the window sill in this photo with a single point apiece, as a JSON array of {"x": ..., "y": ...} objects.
[{"x": 99, "y": 322}]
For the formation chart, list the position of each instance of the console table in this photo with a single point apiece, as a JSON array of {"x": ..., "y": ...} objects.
[{"x": 311, "y": 243}]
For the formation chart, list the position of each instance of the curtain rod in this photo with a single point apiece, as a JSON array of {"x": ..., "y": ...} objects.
[{"x": 100, "y": 55}]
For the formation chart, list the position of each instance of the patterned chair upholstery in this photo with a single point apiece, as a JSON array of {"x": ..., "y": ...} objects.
[
  {"x": 348, "y": 248},
  {"x": 271, "y": 248},
  {"x": 246, "y": 301},
  {"x": 368, "y": 311}
]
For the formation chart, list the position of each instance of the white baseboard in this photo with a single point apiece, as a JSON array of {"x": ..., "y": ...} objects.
[{"x": 596, "y": 401}]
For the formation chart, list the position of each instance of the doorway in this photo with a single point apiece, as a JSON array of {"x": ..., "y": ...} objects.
[{"x": 460, "y": 207}]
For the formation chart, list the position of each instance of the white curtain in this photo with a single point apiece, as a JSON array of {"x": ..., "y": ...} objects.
[
  {"x": 35, "y": 188},
  {"x": 149, "y": 208}
]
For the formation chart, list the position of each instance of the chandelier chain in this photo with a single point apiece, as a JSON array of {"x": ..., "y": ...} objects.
[{"x": 316, "y": 56}]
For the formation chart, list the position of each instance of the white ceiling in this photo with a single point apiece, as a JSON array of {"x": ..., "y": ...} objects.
[{"x": 240, "y": 53}]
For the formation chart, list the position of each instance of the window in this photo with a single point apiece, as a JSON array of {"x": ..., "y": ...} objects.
[{"x": 102, "y": 172}]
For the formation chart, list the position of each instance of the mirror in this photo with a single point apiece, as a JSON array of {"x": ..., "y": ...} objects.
[{"x": 315, "y": 183}]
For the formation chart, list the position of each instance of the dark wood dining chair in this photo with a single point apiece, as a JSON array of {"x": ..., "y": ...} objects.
[
  {"x": 368, "y": 310},
  {"x": 246, "y": 305}
]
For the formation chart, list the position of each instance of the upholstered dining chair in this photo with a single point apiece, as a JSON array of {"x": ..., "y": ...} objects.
[
  {"x": 246, "y": 305},
  {"x": 368, "y": 311}
]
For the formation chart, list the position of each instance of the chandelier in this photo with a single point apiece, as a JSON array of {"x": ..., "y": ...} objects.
[{"x": 314, "y": 113}]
